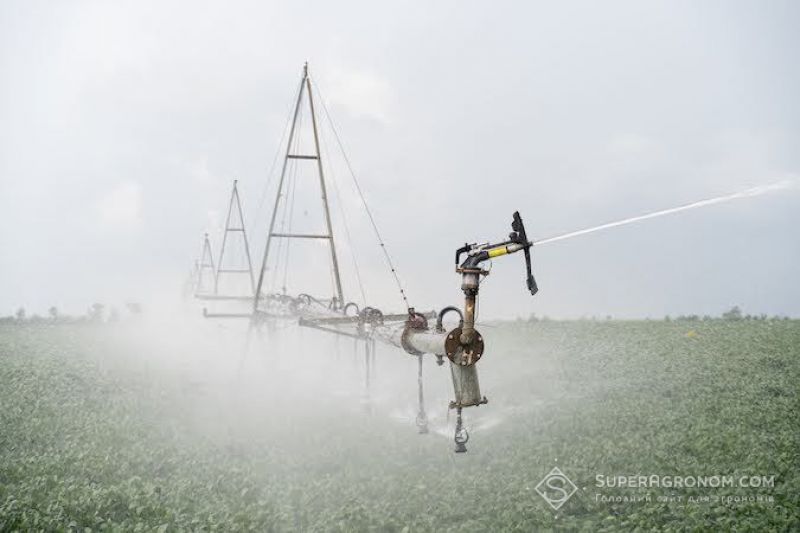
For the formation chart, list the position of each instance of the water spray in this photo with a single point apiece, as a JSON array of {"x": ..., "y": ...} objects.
[{"x": 748, "y": 193}]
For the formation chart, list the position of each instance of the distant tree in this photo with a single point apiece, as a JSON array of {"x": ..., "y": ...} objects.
[
  {"x": 134, "y": 308},
  {"x": 113, "y": 316},
  {"x": 21, "y": 314},
  {"x": 667, "y": 318},
  {"x": 53, "y": 312},
  {"x": 733, "y": 314}
]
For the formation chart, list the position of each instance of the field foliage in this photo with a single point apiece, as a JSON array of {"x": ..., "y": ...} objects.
[{"x": 94, "y": 435}]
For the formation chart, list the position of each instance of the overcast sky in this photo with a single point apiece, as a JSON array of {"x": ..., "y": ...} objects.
[{"x": 122, "y": 125}]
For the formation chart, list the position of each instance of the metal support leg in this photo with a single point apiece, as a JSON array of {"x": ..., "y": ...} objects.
[
  {"x": 373, "y": 351},
  {"x": 422, "y": 418},
  {"x": 366, "y": 399}
]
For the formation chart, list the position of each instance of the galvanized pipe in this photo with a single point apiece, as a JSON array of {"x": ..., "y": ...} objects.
[{"x": 424, "y": 341}]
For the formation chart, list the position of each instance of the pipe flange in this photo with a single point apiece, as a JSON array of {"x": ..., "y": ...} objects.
[{"x": 460, "y": 354}]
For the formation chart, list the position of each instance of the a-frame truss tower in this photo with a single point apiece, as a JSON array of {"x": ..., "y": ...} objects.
[
  {"x": 205, "y": 270},
  {"x": 234, "y": 226},
  {"x": 305, "y": 89}
]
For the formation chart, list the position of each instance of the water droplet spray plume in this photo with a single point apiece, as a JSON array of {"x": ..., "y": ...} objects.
[{"x": 748, "y": 193}]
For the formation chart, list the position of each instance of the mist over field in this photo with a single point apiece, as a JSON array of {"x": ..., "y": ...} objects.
[
  {"x": 644, "y": 155},
  {"x": 148, "y": 427}
]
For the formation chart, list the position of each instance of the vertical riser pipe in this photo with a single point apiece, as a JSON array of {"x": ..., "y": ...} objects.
[{"x": 465, "y": 385}]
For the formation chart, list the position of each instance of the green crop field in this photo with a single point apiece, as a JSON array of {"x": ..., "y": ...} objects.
[{"x": 96, "y": 434}]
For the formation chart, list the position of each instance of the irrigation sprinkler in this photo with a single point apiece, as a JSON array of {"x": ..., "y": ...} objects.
[{"x": 463, "y": 345}]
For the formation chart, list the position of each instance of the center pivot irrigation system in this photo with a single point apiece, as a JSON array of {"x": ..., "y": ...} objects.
[
  {"x": 410, "y": 330},
  {"x": 463, "y": 345}
]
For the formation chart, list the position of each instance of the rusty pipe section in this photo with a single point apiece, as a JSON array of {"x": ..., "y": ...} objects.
[
  {"x": 417, "y": 341},
  {"x": 470, "y": 280}
]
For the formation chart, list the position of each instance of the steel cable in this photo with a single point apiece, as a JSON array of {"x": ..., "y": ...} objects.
[{"x": 386, "y": 255}]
